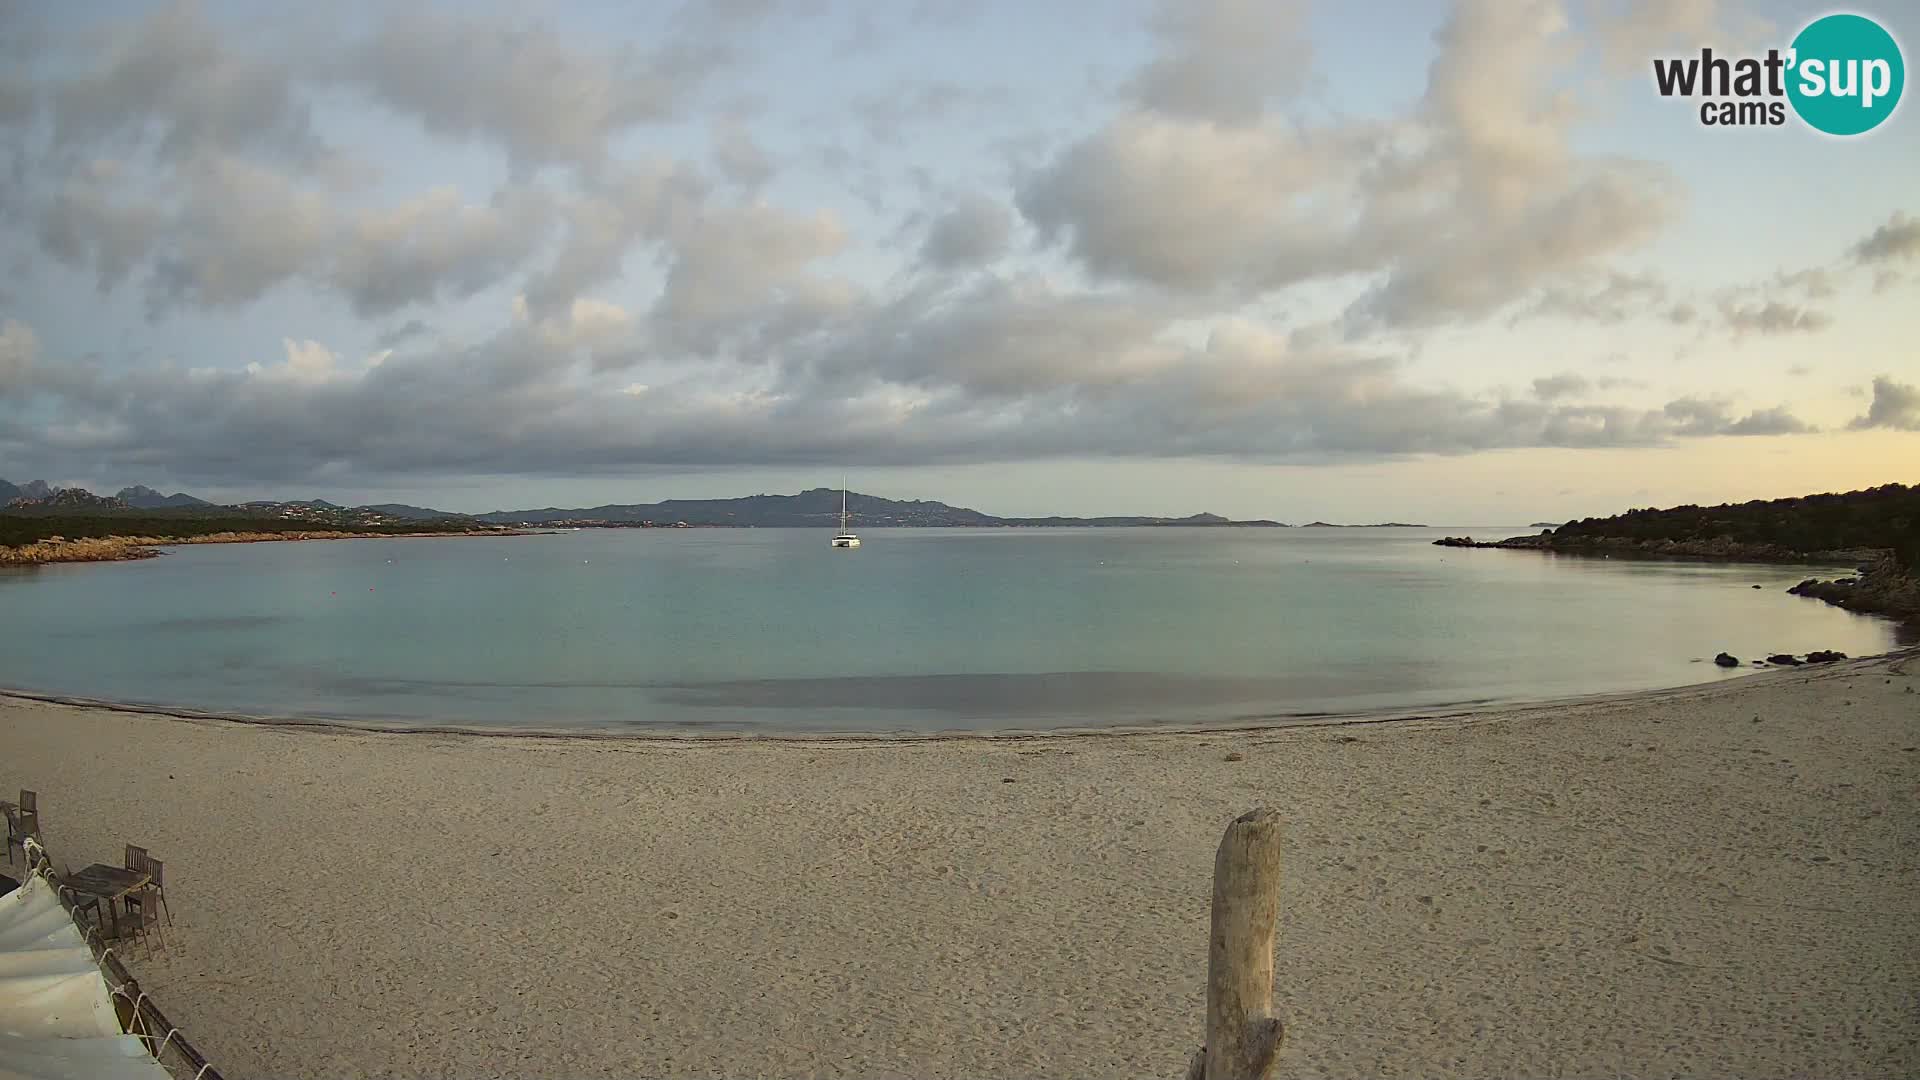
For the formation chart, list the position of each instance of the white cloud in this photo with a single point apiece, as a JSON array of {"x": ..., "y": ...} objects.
[
  {"x": 1470, "y": 202},
  {"x": 1222, "y": 269},
  {"x": 309, "y": 363}
]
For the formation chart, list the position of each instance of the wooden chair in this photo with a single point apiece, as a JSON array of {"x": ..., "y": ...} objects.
[
  {"x": 151, "y": 899},
  {"x": 23, "y": 820},
  {"x": 82, "y": 903}
]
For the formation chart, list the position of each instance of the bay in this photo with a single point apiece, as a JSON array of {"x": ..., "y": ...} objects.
[{"x": 921, "y": 630}]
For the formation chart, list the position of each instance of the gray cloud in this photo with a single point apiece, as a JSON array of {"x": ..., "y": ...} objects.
[
  {"x": 1814, "y": 283},
  {"x": 739, "y": 158},
  {"x": 1617, "y": 298},
  {"x": 733, "y": 266},
  {"x": 240, "y": 229},
  {"x": 1196, "y": 207},
  {"x": 1899, "y": 238},
  {"x": 543, "y": 97},
  {"x": 1895, "y": 406},
  {"x": 974, "y": 230},
  {"x": 995, "y": 370},
  {"x": 1772, "y": 317},
  {"x": 435, "y": 246},
  {"x": 171, "y": 79},
  {"x": 1774, "y": 421},
  {"x": 1566, "y": 384},
  {"x": 1223, "y": 60},
  {"x": 617, "y": 211}
]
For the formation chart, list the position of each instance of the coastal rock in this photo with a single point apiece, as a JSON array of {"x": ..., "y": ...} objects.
[
  {"x": 1727, "y": 660},
  {"x": 1454, "y": 541},
  {"x": 1784, "y": 660},
  {"x": 1885, "y": 588},
  {"x": 1825, "y": 656}
]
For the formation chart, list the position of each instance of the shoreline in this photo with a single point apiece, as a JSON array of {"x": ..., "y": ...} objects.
[
  {"x": 664, "y": 735},
  {"x": 134, "y": 548},
  {"x": 1868, "y": 581},
  {"x": 1632, "y": 885}
]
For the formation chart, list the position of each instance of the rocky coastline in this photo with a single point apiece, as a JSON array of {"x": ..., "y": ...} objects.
[
  {"x": 1880, "y": 586},
  {"x": 123, "y": 548}
]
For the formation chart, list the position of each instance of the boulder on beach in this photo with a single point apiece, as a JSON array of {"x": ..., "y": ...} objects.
[
  {"x": 1825, "y": 656},
  {"x": 1784, "y": 660},
  {"x": 1726, "y": 660}
]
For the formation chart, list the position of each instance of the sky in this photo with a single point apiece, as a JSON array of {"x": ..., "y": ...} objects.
[{"x": 1413, "y": 260}]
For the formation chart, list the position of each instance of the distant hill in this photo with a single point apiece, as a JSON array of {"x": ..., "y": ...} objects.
[
  {"x": 817, "y": 508},
  {"x": 1847, "y": 527},
  {"x": 1381, "y": 525},
  {"x": 410, "y": 513},
  {"x": 814, "y": 508},
  {"x": 63, "y": 500},
  {"x": 1885, "y": 518},
  {"x": 32, "y": 489},
  {"x": 316, "y": 504},
  {"x": 145, "y": 498}
]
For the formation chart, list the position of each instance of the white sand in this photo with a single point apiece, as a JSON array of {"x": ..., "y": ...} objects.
[{"x": 1651, "y": 885}]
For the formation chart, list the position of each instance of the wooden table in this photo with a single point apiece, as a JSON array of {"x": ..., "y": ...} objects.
[{"x": 108, "y": 884}]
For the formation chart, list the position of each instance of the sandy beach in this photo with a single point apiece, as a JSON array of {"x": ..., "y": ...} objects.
[{"x": 1714, "y": 881}]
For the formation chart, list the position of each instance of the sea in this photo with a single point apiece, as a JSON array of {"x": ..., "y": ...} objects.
[{"x": 919, "y": 631}]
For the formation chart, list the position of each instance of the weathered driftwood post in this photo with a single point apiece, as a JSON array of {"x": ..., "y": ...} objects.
[{"x": 1243, "y": 1038}]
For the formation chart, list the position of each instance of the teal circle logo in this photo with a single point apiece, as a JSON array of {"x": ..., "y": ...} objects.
[{"x": 1846, "y": 74}]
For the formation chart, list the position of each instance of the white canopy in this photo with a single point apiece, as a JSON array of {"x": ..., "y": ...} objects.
[{"x": 57, "y": 1020}]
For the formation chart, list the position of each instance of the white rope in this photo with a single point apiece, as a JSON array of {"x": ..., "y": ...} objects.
[{"x": 39, "y": 863}]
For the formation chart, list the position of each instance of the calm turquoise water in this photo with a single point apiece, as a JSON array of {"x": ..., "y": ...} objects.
[{"x": 920, "y": 630}]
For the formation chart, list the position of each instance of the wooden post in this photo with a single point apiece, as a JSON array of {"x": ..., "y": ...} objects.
[{"x": 1243, "y": 1038}]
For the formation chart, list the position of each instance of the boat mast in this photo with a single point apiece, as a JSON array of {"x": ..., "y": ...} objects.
[{"x": 843, "y": 506}]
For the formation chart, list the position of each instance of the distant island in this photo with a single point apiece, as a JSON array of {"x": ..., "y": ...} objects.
[
  {"x": 40, "y": 523},
  {"x": 820, "y": 508},
  {"x": 1381, "y": 525},
  {"x": 813, "y": 508},
  {"x": 1546, "y": 524},
  {"x": 1877, "y": 529}
]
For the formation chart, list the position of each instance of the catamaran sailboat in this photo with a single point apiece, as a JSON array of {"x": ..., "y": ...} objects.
[{"x": 845, "y": 539}]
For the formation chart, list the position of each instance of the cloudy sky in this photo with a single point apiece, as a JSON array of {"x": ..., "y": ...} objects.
[{"x": 1450, "y": 261}]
